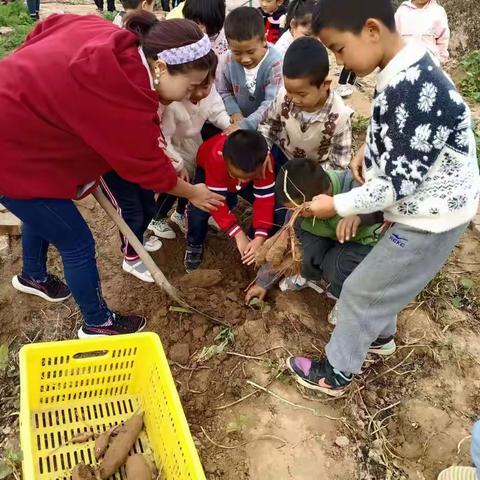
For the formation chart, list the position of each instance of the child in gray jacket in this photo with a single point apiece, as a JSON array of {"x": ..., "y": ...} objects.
[{"x": 250, "y": 74}]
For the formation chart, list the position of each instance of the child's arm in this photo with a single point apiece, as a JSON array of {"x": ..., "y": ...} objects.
[
  {"x": 442, "y": 36},
  {"x": 224, "y": 86},
  {"x": 271, "y": 87},
  {"x": 168, "y": 125},
  {"x": 263, "y": 204},
  {"x": 271, "y": 124},
  {"x": 217, "y": 115},
  {"x": 341, "y": 151},
  {"x": 265, "y": 280}
]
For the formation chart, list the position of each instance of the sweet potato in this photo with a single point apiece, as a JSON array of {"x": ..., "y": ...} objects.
[
  {"x": 83, "y": 472},
  {"x": 277, "y": 251},
  {"x": 117, "y": 453},
  {"x": 138, "y": 468}
]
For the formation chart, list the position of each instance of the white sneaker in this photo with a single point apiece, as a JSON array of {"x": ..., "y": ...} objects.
[
  {"x": 213, "y": 223},
  {"x": 152, "y": 244},
  {"x": 162, "y": 229},
  {"x": 179, "y": 220},
  {"x": 332, "y": 316},
  {"x": 296, "y": 282},
  {"x": 345, "y": 90},
  {"x": 138, "y": 269}
]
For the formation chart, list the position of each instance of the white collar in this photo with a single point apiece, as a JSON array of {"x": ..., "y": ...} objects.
[
  {"x": 407, "y": 56},
  {"x": 145, "y": 64}
]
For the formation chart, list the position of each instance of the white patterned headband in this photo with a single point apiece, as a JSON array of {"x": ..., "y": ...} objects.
[{"x": 187, "y": 53}]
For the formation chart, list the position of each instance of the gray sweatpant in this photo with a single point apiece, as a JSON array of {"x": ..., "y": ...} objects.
[{"x": 385, "y": 282}]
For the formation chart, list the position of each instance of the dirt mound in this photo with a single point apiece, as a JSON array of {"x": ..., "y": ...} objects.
[{"x": 201, "y": 278}]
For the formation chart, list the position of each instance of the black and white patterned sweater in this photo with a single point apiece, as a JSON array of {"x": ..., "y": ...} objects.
[{"x": 420, "y": 157}]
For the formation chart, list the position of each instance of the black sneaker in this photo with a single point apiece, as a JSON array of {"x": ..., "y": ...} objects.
[
  {"x": 121, "y": 325},
  {"x": 319, "y": 375},
  {"x": 193, "y": 257},
  {"x": 52, "y": 289}
]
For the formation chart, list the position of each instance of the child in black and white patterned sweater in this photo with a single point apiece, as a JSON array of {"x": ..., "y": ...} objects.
[{"x": 420, "y": 169}]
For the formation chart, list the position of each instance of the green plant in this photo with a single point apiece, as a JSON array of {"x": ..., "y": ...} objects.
[
  {"x": 15, "y": 16},
  {"x": 10, "y": 463},
  {"x": 470, "y": 85},
  {"x": 225, "y": 337},
  {"x": 109, "y": 16}
]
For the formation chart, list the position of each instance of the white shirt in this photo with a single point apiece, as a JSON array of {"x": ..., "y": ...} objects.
[
  {"x": 251, "y": 76},
  {"x": 284, "y": 42}
]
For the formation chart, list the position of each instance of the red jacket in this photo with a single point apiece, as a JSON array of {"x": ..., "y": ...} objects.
[
  {"x": 219, "y": 181},
  {"x": 76, "y": 102}
]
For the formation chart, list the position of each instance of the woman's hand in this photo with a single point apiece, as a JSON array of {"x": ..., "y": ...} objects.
[
  {"x": 232, "y": 128},
  {"x": 322, "y": 207},
  {"x": 255, "y": 291},
  {"x": 347, "y": 228},
  {"x": 356, "y": 165},
  {"x": 183, "y": 174},
  {"x": 204, "y": 199},
  {"x": 249, "y": 254}
]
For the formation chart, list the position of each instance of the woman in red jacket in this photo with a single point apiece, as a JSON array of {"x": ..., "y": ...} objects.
[{"x": 80, "y": 98}]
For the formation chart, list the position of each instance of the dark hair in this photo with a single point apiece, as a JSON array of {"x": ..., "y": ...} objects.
[
  {"x": 351, "y": 15},
  {"x": 301, "y": 11},
  {"x": 155, "y": 36},
  {"x": 305, "y": 178},
  {"x": 133, "y": 4},
  {"x": 210, "y": 13},
  {"x": 306, "y": 57},
  {"x": 244, "y": 23},
  {"x": 246, "y": 150}
]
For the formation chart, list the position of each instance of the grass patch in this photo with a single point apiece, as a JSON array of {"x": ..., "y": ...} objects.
[
  {"x": 14, "y": 15},
  {"x": 470, "y": 85}
]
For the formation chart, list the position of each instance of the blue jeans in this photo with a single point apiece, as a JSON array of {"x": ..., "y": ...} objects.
[
  {"x": 476, "y": 447},
  {"x": 58, "y": 222}
]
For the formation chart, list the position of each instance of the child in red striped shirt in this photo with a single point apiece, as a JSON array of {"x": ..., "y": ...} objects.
[{"x": 231, "y": 166}]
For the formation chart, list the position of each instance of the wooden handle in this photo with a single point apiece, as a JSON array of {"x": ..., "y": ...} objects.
[{"x": 152, "y": 267}]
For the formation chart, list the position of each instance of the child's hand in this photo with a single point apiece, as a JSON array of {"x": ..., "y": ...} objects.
[
  {"x": 249, "y": 254},
  {"x": 242, "y": 243},
  {"x": 322, "y": 207},
  {"x": 183, "y": 174},
  {"x": 232, "y": 128},
  {"x": 255, "y": 291},
  {"x": 356, "y": 165},
  {"x": 347, "y": 228},
  {"x": 267, "y": 165},
  {"x": 236, "y": 117}
]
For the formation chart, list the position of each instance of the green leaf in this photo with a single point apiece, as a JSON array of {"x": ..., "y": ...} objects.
[
  {"x": 180, "y": 310},
  {"x": 5, "y": 469},
  {"x": 467, "y": 283},
  {"x": 3, "y": 358},
  {"x": 457, "y": 302}
]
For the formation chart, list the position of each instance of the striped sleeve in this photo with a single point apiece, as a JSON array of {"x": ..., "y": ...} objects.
[{"x": 263, "y": 204}]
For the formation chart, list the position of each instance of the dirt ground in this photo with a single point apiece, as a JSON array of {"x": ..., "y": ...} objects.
[{"x": 405, "y": 418}]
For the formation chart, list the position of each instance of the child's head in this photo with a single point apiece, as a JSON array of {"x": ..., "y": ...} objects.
[
  {"x": 299, "y": 17},
  {"x": 360, "y": 33},
  {"x": 245, "y": 32},
  {"x": 270, "y": 6},
  {"x": 299, "y": 181},
  {"x": 147, "y": 5},
  {"x": 203, "y": 90},
  {"x": 245, "y": 153},
  {"x": 305, "y": 70},
  {"x": 420, "y": 3},
  {"x": 179, "y": 54},
  {"x": 208, "y": 14}
]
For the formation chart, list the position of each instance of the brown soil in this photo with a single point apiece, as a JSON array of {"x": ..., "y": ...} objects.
[{"x": 405, "y": 418}]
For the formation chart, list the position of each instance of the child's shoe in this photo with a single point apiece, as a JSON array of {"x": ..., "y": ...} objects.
[
  {"x": 458, "y": 473},
  {"x": 383, "y": 346},
  {"x": 319, "y": 375},
  {"x": 162, "y": 229},
  {"x": 138, "y": 269},
  {"x": 152, "y": 244},
  {"x": 193, "y": 257},
  {"x": 179, "y": 220},
  {"x": 345, "y": 90},
  {"x": 52, "y": 289},
  {"x": 295, "y": 282},
  {"x": 332, "y": 316},
  {"x": 120, "y": 324}
]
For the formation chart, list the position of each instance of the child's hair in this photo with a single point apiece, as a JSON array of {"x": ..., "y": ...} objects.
[
  {"x": 300, "y": 180},
  {"x": 155, "y": 36},
  {"x": 301, "y": 11},
  {"x": 306, "y": 57},
  {"x": 210, "y": 13},
  {"x": 133, "y": 4},
  {"x": 351, "y": 15},
  {"x": 244, "y": 23},
  {"x": 245, "y": 150}
]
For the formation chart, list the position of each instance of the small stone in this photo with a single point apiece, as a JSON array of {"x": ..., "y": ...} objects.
[
  {"x": 342, "y": 441},
  {"x": 6, "y": 30},
  {"x": 180, "y": 353}
]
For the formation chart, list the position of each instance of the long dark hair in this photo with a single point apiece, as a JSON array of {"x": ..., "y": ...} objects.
[{"x": 155, "y": 36}]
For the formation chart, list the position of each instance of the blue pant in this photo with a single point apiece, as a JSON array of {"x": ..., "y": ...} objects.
[
  {"x": 476, "y": 447},
  {"x": 33, "y": 7},
  {"x": 58, "y": 222}
]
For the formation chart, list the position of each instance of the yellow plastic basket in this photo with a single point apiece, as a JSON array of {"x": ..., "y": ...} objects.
[{"x": 90, "y": 385}]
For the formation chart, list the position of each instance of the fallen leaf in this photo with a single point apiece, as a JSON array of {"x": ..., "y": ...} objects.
[{"x": 3, "y": 359}]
